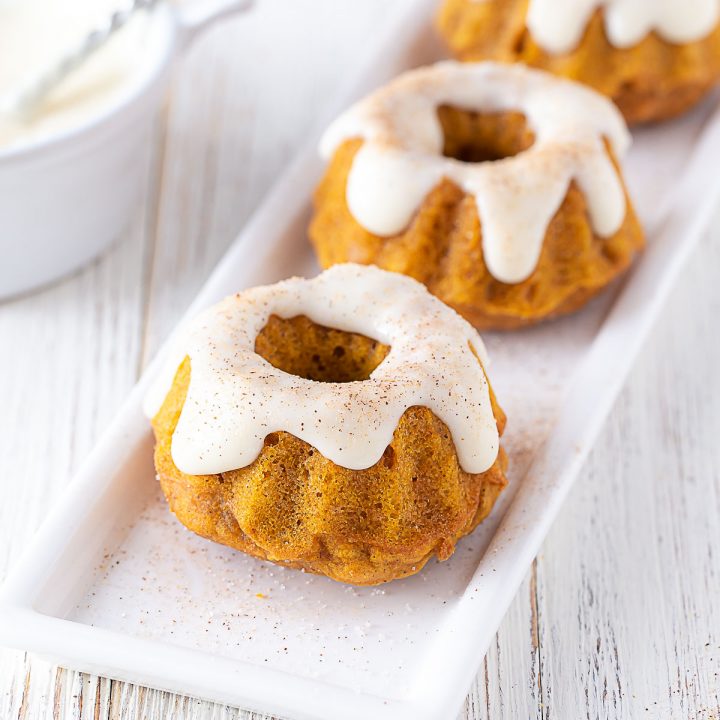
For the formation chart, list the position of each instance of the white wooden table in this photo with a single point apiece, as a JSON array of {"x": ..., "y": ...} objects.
[{"x": 619, "y": 616}]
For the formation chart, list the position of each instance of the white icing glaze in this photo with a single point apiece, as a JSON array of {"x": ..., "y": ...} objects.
[
  {"x": 36, "y": 34},
  {"x": 558, "y": 25},
  {"x": 401, "y": 158},
  {"x": 236, "y": 398}
]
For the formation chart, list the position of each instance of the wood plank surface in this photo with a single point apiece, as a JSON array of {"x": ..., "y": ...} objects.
[{"x": 619, "y": 616}]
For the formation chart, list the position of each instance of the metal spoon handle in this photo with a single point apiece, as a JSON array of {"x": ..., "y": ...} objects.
[{"x": 25, "y": 101}]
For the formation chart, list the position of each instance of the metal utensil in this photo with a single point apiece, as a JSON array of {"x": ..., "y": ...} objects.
[{"x": 24, "y": 102}]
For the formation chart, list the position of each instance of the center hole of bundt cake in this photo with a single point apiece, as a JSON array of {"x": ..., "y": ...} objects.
[
  {"x": 475, "y": 137},
  {"x": 299, "y": 346}
]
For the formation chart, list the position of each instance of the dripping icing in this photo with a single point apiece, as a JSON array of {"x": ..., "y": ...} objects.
[
  {"x": 401, "y": 158},
  {"x": 236, "y": 398},
  {"x": 558, "y": 25}
]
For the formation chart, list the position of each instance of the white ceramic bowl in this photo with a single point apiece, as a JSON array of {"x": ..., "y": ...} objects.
[{"x": 65, "y": 197}]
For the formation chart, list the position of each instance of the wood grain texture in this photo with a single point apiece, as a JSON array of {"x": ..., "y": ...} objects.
[
  {"x": 628, "y": 580},
  {"x": 618, "y": 618}
]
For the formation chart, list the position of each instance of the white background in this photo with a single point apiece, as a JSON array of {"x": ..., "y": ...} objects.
[{"x": 619, "y": 616}]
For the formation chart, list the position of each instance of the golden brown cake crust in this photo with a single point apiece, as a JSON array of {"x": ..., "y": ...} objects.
[
  {"x": 442, "y": 246},
  {"x": 650, "y": 81},
  {"x": 296, "y": 508}
]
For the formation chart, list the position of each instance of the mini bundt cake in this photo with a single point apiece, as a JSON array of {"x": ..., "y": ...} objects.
[
  {"x": 342, "y": 425},
  {"x": 495, "y": 185},
  {"x": 654, "y": 58}
]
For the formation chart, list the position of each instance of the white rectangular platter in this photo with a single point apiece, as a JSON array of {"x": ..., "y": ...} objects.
[{"x": 114, "y": 585}]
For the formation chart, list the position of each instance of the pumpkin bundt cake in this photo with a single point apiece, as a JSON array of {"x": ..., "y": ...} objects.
[
  {"x": 343, "y": 425},
  {"x": 654, "y": 58},
  {"x": 495, "y": 185}
]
